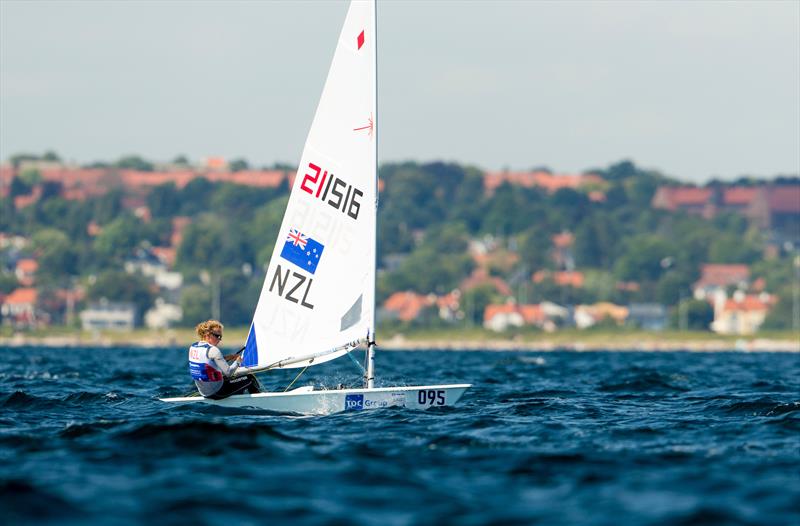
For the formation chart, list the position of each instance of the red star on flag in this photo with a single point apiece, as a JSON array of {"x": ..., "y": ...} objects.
[{"x": 360, "y": 39}]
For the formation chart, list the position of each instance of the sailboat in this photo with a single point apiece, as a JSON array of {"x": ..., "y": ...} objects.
[{"x": 318, "y": 298}]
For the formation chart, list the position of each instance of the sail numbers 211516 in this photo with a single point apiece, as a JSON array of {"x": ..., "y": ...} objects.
[{"x": 343, "y": 197}]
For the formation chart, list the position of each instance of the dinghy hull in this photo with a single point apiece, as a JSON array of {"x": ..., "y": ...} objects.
[{"x": 308, "y": 401}]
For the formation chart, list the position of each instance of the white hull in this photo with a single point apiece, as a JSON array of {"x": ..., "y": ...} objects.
[{"x": 305, "y": 400}]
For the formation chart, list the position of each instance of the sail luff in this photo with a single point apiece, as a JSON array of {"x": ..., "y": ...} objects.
[{"x": 371, "y": 344}]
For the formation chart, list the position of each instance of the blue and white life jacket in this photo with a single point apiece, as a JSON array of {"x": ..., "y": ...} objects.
[{"x": 200, "y": 366}]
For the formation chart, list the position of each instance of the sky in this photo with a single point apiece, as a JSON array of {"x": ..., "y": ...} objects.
[{"x": 696, "y": 90}]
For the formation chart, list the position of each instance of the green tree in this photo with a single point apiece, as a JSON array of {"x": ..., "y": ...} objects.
[
  {"x": 108, "y": 206},
  {"x": 238, "y": 165},
  {"x": 534, "y": 248},
  {"x": 19, "y": 187},
  {"x": 427, "y": 270},
  {"x": 475, "y": 300},
  {"x": 213, "y": 242},
  {"x": 51, "y": 156},
  {"x": 642, "y": 259},
  {"x": 238, "y": 296},
  {"x": 263, "y": 229},
  {"x": 8, "y": 282},
  {"x": 698, "y": 314},
  {"x": 512, "y": 209},
  {"x": 781, "y": 315},
  {"x": 673, "y": 285},
  {"x": 195, "y": 304},
  {"x": 119, "y": 286},
  {"x": 120, "y": 237},
  {"x": 239, "y": 201},
  {"x": 596, "y": 241},
  {"x": 57, "y": 256},
  {"x": 196, "y": 195},
  {"x": 31, "y": 177},
  {"x": 732, "y": 248},
  {"x": 164, "y": 200},
  {"x": 19, "y": 158},
  {"x": 570, "y": 206},
  {"x": 134, "y": 162}
]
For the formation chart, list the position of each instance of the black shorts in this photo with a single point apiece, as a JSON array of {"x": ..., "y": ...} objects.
[{"x": 240, "y": 385}]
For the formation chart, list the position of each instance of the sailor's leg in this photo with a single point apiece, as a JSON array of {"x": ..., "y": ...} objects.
[
  {"x": 231, "y": 387},
  {"x": 255, "y": 385}
]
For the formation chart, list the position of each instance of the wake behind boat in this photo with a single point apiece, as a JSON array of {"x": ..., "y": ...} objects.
[{"x": 318, "y": 298}]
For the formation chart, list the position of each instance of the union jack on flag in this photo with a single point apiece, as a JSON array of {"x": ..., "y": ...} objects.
[
  {"x": 302, "y": 250},
  {"x": 297, "y": 238}
]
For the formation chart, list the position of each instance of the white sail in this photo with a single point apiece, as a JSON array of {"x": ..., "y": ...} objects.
[{"x": 318, "y": 296}]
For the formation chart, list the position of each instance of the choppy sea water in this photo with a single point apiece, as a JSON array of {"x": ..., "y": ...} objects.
[{"x": 542, "y": 438}]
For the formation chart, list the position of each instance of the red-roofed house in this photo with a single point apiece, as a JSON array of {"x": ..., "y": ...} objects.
[
  {"x": 563, "y": 240},
  {"x": 260, "y": 178},
  {"x": 19, "y": 307},
  {"x": 777, "y": 208},
  {"x": 687, "y": 198},
  {"x": 22, "y": 201},
  {"x": 450, "y": 306},
  {"x": 6, "y": 176},
  {"x": 738, "y": 198},
  {"x": 179, "y": 223},
  {"x": 715, "y": 277},
  {"x": 588, "y": 315},
  {"x": 549, "y": 182},
  {"x": 562, "y": 278},
  {"x": 480, "y": 277},
  {"x": 498, "y": 317},
  {"x": 26, "y": 271},
  {"x": 216, "y": 163},
  {"x": 562, "y": 250},
  {"x": 742, "y": 314},
  {"x": 407, "y": 305},
  {"x": 165, "y": 254},
  {"x": 93, "y": 229},
  {"x": 767, "y": 207}
]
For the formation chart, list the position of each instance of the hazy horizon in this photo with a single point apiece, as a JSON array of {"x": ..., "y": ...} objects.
[{"x": 695, "y": 90}]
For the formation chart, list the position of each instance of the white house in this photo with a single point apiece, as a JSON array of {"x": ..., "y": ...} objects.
[
  {"x": 163, "y": 315},
  {"x": 106, "y": 315}
]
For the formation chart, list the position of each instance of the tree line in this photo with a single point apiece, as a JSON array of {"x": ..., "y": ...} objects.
[{"x": 428, "y": 214}]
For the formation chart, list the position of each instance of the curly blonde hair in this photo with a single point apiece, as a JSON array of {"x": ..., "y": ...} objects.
[{"x": 207, "y": 327}]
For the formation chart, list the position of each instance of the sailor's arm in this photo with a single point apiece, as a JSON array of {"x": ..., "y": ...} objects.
[{"x": 219, "y": 360}]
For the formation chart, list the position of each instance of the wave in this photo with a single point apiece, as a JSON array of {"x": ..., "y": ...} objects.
[
  {"x": 81, "y": 399},
  {"x": 644, "y": 381},
  {"x": 707, "y": 515},
  {"x": 210, "y": 435},
  {"x": 24, "y": 502},
  {"x": 76, "y": 430},
  {"x": 23, "y": 400},
  {"x": 84, "y": 397},
  {"x": 764, "y": 406}
]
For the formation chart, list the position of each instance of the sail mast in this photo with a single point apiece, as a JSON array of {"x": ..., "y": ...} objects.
[{"x": 371, "y": 344}]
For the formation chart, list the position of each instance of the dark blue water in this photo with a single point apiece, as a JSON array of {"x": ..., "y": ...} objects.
[{"x": 554, "y": 438}]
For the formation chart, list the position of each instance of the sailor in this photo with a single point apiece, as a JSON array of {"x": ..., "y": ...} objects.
[{"x": 212, "y": 375}]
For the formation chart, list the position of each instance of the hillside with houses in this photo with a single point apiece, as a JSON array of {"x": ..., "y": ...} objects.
[{"x": 134, "y": 243}]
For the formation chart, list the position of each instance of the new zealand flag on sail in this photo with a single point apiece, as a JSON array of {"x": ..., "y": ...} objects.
[{"x": 302, "y": 250}]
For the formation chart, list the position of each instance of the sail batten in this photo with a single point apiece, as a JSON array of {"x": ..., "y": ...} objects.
[{"x": 320, "y": 282}]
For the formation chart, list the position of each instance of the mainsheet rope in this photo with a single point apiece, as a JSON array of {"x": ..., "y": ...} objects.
[{"x": 295, "y": 378}]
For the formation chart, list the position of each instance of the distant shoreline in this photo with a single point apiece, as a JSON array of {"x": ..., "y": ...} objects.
[{"x": 450, "y": 340}]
